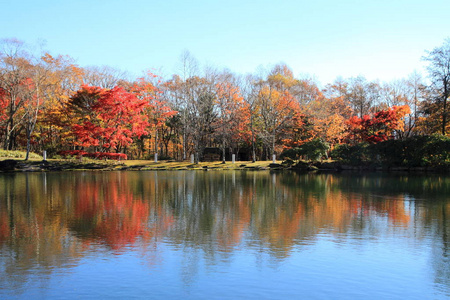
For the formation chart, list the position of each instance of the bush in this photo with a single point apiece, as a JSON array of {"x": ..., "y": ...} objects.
[
  {"x": 313, "y": 150},
  {"x": 352, "y": 154},
  {"x": 417, "y": 151},
  {"x": 437, "y": 150},
  {"x": 389, "y": 153},
  {"x": 290, "y": 154}
]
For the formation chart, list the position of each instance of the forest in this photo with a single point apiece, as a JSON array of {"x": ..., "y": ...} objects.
[{"x": 48, "y": 102}]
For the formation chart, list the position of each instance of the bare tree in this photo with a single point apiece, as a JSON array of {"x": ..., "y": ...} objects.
[
  {"x": 188, "y": 69},
  {"x": 105, "y": 77},
  {"x": 250, "y": 92},
  {"x": 201, "y": 114},
  {"x": 363, "y": 95},
  {"x": 415, "y": 94},
  {"x": 439, "y": 74}
]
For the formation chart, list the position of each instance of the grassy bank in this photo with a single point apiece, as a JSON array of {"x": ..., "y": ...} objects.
[
  {"x": 6, "y": 154},
  {"x": 15, "y": 162}
]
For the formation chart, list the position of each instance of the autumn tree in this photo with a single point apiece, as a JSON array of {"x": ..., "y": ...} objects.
[
  {"x": 250, "y": 91},
  {"x": 325, "y": 113},
  {"x": 328, "y": 119},
  {"x": 277, "y": 106},
  {"x": 63, "y": 79},
  {"x": 233, "y": 114},
  {"x": 157, "y": 109},
  {"x": 305, "y": 91},
  {"x": 16, "y": 86},
  {"x": 108, "y": 119},
  {"x": 39, "y": 89},
  {"x": 379, "y": 127}
]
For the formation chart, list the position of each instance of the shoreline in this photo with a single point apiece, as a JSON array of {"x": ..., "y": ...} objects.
[{"x": 69, "y": 165}]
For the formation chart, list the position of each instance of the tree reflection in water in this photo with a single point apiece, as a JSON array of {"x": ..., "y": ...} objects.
[{"x": 50, "y": 221}]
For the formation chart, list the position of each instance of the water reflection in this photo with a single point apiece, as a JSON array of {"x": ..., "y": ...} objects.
[{"x": 50, "y": 221}]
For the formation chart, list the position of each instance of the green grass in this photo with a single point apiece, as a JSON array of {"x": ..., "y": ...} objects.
[{"x": 6, "y": 154}]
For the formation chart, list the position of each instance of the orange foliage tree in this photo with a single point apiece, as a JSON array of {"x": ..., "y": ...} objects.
[
  {"x": 278, "y": 108},
  {"x": 233, "y": 117},
  {"x": 157, "y": 109}
]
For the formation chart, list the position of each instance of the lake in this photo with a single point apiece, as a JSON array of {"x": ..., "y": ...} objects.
[{"x": 224, "y": 235}]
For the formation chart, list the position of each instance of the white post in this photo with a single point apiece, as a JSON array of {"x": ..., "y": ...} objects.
[
  {"x": 156, "y": 157},
  {"x": 274, "y": 158},
  {"x": 233, "y": 158},
  {"x": 192, "y": 158},
  {"x": 44, "y": 155}
]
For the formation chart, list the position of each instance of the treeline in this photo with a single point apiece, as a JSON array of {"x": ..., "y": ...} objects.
[{"x": 50, "y": 103}]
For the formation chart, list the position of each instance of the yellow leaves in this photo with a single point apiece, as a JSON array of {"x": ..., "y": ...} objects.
[{"x": 281, "y": 81}]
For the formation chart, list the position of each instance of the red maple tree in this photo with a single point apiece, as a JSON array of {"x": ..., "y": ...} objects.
[
  {"x": 379, "y": 127},
  {"x": 107, "y": 118}
]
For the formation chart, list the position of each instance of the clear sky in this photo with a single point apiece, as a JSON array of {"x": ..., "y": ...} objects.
[{"x": 382, "y": 39}]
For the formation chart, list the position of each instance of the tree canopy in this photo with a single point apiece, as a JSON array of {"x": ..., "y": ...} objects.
[{"x": 50, "y": 103}]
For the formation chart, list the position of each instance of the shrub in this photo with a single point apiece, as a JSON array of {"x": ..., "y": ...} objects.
[
  {"x": 313, "y": 150},
  {"x": 352, "y": 154},
  {"x": 290, "y": 154},
  {"x": 437, "y": 150},
  {"x": 416, "y": 151}
]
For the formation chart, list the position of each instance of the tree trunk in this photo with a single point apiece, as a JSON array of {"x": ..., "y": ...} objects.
[
  {"x": 27, "y": 156},
  {"x": 273, "y": 143},
  {"x": 444, "y": 118},
  {"x": 223, "y": 150},
  {"x": 444, "y": 113},
  {"x": 156, "y": 140},
  {"x": 253, "y": 139}
]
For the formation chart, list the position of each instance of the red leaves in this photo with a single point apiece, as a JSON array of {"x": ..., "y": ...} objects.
[
  {"x": 378, "y": 128},
  {"x": 108, "y": 118},
  {"x": 3, "y": 105}
]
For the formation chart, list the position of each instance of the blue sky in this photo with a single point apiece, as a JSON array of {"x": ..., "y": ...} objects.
[{"x": 381, "y": 39}]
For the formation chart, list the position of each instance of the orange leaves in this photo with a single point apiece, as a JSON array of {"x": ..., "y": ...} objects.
[
  {"x": 234, "y": 115},
  {"x": 331, "y": 128},
  {"x": 157, "y": 109}
]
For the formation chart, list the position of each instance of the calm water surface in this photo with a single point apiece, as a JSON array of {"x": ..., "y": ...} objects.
[{"x": 216, "y": 235}]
